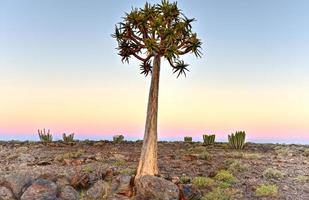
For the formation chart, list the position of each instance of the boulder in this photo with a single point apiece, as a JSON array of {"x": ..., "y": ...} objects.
[
  {"x": 98, "y": 190},
  {"x": 188, "y": 192},
  {"x": 122, "y": 185},
  {"x": 152, "y": 187},
  {"x": 68, "y": 193},
  {"x": 41, "y": 189},
  {"x": 17, "y": 183},
  {"x": 6, "y": 194}
]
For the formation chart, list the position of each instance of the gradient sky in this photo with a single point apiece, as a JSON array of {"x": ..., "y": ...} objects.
[{"x": 59, "y": 69}]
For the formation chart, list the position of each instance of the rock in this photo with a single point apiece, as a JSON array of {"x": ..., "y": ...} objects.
[
  {"x": 108, "y": 174},
  {"x": 41, "y": 189},
  {"x": 98, "y": 190},
  {"x": 6, "y": 194},
  {"x": 80, "y": 181},
  {"x": 62, "y": 181},
  {"x": 187, "y": 192},
  {"x": 152, "y": 187},
  {"x": 122, "y": 185},
  {"x": 69, "y": 193},
  {"x": 17, "y": 183}
]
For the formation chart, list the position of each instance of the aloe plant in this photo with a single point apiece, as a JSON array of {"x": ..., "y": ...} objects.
[
  {"x": 45, "y": 136},
  {"x": 68, "y": 138},
  {"x": 188, "y": 139},
  {"x": 237, "y": 140},
  {"x": 118, "y": 138},
  {"x": 209, "y": 139}
]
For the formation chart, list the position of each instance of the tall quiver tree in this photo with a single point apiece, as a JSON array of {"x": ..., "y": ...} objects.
[{"x": 149, "y": 34}]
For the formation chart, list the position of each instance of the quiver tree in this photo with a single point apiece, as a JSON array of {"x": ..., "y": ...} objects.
[{"x": 149, "y": 34}]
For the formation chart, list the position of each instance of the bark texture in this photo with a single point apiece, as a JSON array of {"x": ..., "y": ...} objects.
[{"x": 148, "y": 160}]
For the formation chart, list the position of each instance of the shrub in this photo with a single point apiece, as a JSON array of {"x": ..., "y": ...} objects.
[
  {"x": 45, "y": 136},
  {"x": 120, "y": 162},
  {"x": 184, "y": 179},
  {"x": 128, "y": 171},
  {"x": 197, "y": 150},
  {"x": 88, "y": 169},
  {"x": 284, "y": 151},
  {"x": 225, "y": 176},
  {"x": 237, "y": 140},
  {"x": 188, "y": 139},
  {"x": 202, "y": 182},
  {"x": 267, "y": 191},
  {"x": 69, "y": 155},
  {"x": 271, "y": 173},
  {"x": 118, "y": 138},
  {"x": 306, "y": 152},
  {"x": 252, "y": 156},
  {"x": 204, "y": 156},
  {"x": 302, "y": 179},
  {"x": 209, "y": 139},
  {"x": 235, "y": 166},
  {"x": 68, "y": 138}
]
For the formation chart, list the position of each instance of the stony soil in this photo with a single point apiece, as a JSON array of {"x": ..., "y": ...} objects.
[{"x": 85, "y": 163}]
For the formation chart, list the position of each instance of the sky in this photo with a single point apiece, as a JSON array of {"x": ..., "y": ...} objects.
[{"x": 59, "y": 70}]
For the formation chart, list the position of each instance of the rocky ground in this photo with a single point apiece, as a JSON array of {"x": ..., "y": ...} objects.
[{"x": 103, "y": 170}]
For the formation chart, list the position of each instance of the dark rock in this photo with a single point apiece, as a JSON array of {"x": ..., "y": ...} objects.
[
  {"x": 122, "y": 185},
  {"x": 98, "y": 190},
  {"x": 17, "y": 183},
  {"x": 151, "y": 187},
  {"x": 6, "y": 194},
  {"x": 187, "y": 192},
  {"x": 41, "y": 189},
  {"x": 69, "y": 193}
]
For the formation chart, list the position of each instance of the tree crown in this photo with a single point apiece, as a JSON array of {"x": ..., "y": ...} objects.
[{"x": 157, "y": 30}]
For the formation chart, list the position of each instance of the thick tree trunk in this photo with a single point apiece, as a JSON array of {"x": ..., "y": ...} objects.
[{"x": 148, "y": 161}]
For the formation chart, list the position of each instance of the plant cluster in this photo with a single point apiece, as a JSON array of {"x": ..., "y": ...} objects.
[
  {"x": 237, "y": 140},
  {"x": 188, "y": 139},
  {"x": 235, "y": 166},
  {"x": 68, "y": 138},
  {"x": 45, "y": 136},
  {"x": 267, "y": 191},
  {"x": 271, "y": 173},
  {"x": 209, "y": 139},
  {"x": 118, "y": 138}
]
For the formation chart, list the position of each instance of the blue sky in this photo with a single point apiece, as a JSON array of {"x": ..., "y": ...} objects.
[{"x": 64, "y": 47}]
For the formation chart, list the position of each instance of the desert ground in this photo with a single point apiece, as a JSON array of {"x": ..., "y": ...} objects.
[{"x": 103, "y": 170}]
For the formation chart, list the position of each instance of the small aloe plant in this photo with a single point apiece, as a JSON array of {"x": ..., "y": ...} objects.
[
  {"x": 237, "y": 140},
  {"x": 118, "y": 138},
  {"x": 68, "y": 138},
  {"x": 209, "y": 139},
  {"x": 188, "y": 139},
  {"x": 45, "y": 136}
]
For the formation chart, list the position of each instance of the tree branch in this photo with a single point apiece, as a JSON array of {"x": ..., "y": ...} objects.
[
  {"x": 171, "y": 63},
  {"x": 142, "y": 59},
  {"x": 183, "y": 52}
]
